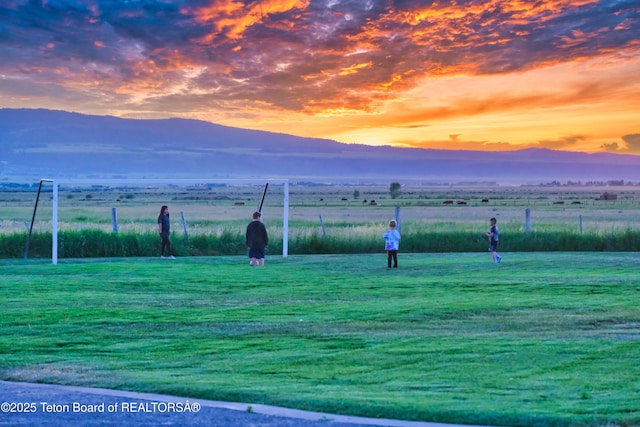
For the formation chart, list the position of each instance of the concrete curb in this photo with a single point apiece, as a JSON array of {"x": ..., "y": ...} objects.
[{"x": 14, "y": 389}]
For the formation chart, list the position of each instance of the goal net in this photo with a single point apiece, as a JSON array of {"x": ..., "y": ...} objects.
[{"x": 199, "y": 205}]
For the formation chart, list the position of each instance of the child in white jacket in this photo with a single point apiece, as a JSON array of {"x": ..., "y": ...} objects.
[{"x": 391, "y": 243}]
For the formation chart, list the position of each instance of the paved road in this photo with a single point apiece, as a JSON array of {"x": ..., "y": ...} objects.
[{"x": 25, "y": 404}]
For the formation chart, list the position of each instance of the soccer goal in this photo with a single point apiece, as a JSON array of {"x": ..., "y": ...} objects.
[{"x": 178, "y": 185}]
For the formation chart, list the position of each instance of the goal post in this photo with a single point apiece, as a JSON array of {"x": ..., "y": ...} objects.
[{"x": 174, "y": 182}]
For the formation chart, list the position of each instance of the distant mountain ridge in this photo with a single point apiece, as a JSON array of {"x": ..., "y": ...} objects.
[{"x": 39, "y": 143}]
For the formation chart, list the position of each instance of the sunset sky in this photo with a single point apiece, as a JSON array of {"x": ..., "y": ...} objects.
[{"x": 467, "y": 74}]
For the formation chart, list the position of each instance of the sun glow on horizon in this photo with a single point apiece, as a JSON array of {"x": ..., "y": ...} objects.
[
  {"x": 492, "y": 75},
  {"x": 562, "y": 106}
]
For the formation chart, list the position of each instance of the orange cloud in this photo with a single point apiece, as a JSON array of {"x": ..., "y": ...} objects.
[
  {"x": 234, "y": 17},
  {"x": 353, "y": 69},
  {"x": 492, "y": 73}
]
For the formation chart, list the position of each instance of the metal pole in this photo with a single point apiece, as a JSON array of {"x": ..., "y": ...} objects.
[
  {"x": 33, "y": 218},
  {"x": 285, "y": 221},
  {"x": 54, "y": 225},
  {"x": 264, "y": 193}
]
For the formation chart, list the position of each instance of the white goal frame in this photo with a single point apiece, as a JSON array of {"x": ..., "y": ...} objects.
[{"x": 57, "y": 182}]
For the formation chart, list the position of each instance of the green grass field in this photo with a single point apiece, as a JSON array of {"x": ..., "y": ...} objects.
[{"x": 540, "y": 339}]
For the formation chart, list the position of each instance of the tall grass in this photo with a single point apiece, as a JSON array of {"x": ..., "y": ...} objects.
[{"x": 92, "y": 243}]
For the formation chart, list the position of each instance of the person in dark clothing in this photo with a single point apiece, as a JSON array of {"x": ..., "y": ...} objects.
[
  {"x": 257, "y": 240},
  {"x": 493, "y": 235},
  {"x": 164, "y": 228}
]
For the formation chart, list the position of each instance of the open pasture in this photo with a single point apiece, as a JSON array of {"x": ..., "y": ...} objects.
[
  {"x": 539, "y": 340},
  {"x": 353, "y": 209}
]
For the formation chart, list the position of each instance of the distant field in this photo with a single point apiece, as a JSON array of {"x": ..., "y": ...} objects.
[
  {"x": 542, "y": 339},
  {"x": 212, "y": 210},
  {"x": 322, "y": 219}
]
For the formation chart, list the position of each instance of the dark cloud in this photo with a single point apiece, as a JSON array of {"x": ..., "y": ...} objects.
[
  {"x": 462, "y": 144},
  {"x": 612, "y": 147},
  {"x": 564, "y": 143},
  {"x": 302, "y": 55},
  {"x": 630, "y": 145},
  {"x": 567, "y": 143},
  {"x": 633, "y": 142}
]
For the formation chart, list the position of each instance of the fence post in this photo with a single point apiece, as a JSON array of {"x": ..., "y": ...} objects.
[
  {"x": 184, "y": 225},
  {"x": 114, "y": 219},
  {"x": 527, "y": 220},
  {"x": 398, "y": 223},
  {"x": 580, "y": 224},
  {"x": 322, "y": 225}
]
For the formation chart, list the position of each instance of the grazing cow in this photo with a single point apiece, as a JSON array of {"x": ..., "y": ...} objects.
[
  {"x": 559, "y": 202},
  {"x": 344, "y": 199},
  {"x": 485, "y": 200},
  {"x": 321, "y": 199},
  {"x": 461, "y": 202},
  {"x": 372, "y": 203},
  {"x": 447, "y": 202},
  {"x": 607, "y": 196},
  {"x": 364, "y": 202},
  {"x": 239, "y": 203}
]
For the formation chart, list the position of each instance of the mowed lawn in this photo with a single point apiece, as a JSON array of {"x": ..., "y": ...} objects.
[{"x": 540, "y": 339}]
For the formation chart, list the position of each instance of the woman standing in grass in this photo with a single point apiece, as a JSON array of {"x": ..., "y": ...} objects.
[
  {"x": 164, "y": 228},
  {"x": 391, "y": 243}
]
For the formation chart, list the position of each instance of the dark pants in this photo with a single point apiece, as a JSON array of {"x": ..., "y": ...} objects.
[
  {"x": 392, "y": 255},
  {"x": 166, "y": 244}
]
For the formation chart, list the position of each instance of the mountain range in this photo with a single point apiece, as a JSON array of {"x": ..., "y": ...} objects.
[{"x": 37, "y": 143}]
